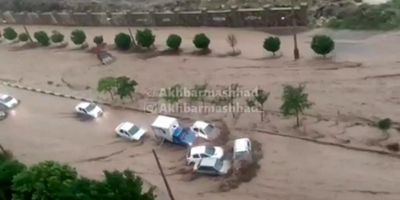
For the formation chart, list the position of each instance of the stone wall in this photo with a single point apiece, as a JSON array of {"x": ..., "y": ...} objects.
[{"x": 233, "y": 17}]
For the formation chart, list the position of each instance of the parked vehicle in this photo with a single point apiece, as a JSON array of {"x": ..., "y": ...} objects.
[
  {"x": 205, "y": 130},
  {"x": 168, "y": 128},
  {"x": 196, "y": 153},
  {"x": 8, "y": 101},
  {"x": 130, "y": 131},
  {"x": 89, "y": 109},
  {"x": 212, "y": 166},
  {"x": 3, "y": 114},
  {"x": 242, "y": 149}
]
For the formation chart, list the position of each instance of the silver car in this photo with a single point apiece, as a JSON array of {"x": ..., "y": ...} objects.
[{"x": 212, "y": 166}]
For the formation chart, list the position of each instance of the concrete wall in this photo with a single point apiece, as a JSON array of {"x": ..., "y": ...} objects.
[{"x": 233, "y": 17}]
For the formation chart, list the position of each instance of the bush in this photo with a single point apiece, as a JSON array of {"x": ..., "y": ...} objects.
[
  {"x": 10, "y": 33},
  {"x": 23, "y": 37},
  {"x": 78, "y": 37},
  {"x": 8, "y": 169},
  {"x": 174, "y": 41},
  {"x": 98, "y": 40},
  {"x": 385, "y": 124},
  {"x": 145, "y": 38},
  {"x": 123, "y": 41},
  {"x": 322, "y": 44},
  {"x": 201, "y": 41},
  {"x": 272, "y": 44},
  {"x": 57, "y": 37},
  {"x": 42, "y": 38}
]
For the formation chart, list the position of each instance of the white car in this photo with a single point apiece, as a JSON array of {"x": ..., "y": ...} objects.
[
  {"x": 205, "y": 130},
  {"x": 130, "y": 131},
  {"x": 212, "y": 166},
  {"x": 8, "y": 101},
  {"x": 196, "y": 153},
  {"x": 89, "y": 109},
  {"x": 242, "y": 149}
]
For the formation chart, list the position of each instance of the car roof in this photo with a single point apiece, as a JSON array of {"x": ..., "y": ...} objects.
[
  {"x": 126, "y": 126},
  {"x": 210, "y": 162},
  {"x": 200, "y": 124},
  {"x": 83, "y": 104},
  {"x": 197, "y": 149},
  {"x": 164, "y": 122},
  {"x": 241, "y": 144},
  {"x": 3, "y": 96}
]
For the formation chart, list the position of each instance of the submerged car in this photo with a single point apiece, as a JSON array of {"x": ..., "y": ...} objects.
[
  {"x": 242, "y": 149},
  {"x": 205, "y": 130},
  {"x": 3, "y": 114},
  {"x": 8, "y": 101},
  {"x": 196, "y": 153},
  {"x": 130, "y": 131},
  {"x": 212, "y": 166},
  {"x": 89, "y": 109}
]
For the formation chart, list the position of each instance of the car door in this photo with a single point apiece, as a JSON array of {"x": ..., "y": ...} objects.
[{"x": 195, "y": 157}]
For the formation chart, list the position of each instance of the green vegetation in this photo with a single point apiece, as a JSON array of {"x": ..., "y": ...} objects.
[
  {"x": 57, "y": 37},
  {"x": 23, "y": 37},
  {"x": 385, "y": 124},
  {"x": 121, "y": 86},
  {"x": 9, "y": 33},
  {"x": 295, "y": 101},
  {"x": 201, "y": 41},
  {"x": 78, "y": 37},
  {"x": 322, "y": 44},
  {"x": 174, "y": 41},
  {"x": 98, "y": 40},
  {"x": 272, "y": 44},
  {"x": 123, "y": 41},
  {"x": 42, "y": 38},
  {"x": 107, "y": 85},
  {"x": 145, "y": 38},
  {"x": 50, "y": 180},
  {"x": 369, "y": 17}
]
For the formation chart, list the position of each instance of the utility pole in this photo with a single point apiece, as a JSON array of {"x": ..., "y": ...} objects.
[
  {"x": 296, "y": 52},
  {"x": 163, "y": 176}
]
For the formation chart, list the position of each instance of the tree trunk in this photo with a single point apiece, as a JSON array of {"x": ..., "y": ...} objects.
[
  {"x": 112, "y": 96},
  {"x": 297, "y": 119}
]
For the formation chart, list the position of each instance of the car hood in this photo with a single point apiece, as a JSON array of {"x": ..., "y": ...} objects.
[
  {"x": 139, "y": 134},
  {"x": 96, "y": 111}
]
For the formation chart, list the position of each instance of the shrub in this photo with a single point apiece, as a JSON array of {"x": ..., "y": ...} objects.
[
  {"x": 98, "y": 40},
  {"x": 145, "y": 38},
  {"x": 57, "y": 37},
  {"x": 385, "y": 124},
  {"x": 201, "y": 41},
  {"x": 10, "y": 33},
  {"x": 272, "y": 44},
  {"x": 322, "y": 44},
  {"x": 174, "y": 41},
  {"x": 23, "y": 37},
  {"x": 42, "y": 38},
  {"x": 123, "y": 41},
  {"x": 8, "y": 169},
  {"x": 78, "y": 37}
]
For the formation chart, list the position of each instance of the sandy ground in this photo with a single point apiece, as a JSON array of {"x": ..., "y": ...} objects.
[{"x": 359, "y": 81}]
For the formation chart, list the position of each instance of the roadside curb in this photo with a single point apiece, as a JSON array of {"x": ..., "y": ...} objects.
[{"x": 56, "y": 94}]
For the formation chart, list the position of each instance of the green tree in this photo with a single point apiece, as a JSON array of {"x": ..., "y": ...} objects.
[
  {"x": 57, "y": 37},
  {"x": 23, "y": 37},
  {"x": 44, "y": 181},
  {"x": 385, "y": 124},
  {"x": 272, "y": 44},
  {"x": 322, "y": 44},
  {"x": 295, "y": 101},
  {"x": 8, "y": 169},
  {"x": 126, "y": 87},
  {"x": 107, "y": 85},
  {"x": 9, "y": 33},
  {"x": 78, "y": 37},
  {"x": 123, "y": 41},
  {"x": 83, "y": 189},
  {"x": 98, "y": 40},
  {"x": 201, "y": 41},
  {"x": 258, "y": 100},
  {"x": 42, "y": 38},
  {"x": 174, "y": 41},
  {"x": 145, "y": 38}
]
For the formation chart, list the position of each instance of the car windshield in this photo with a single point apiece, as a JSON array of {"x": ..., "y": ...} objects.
[
  {"x": 219, "y": 164},
  {"x": 210, "y": 150},
  {"x": 133, "y": 130},
  {"x": 90, "y": 107},
  {"x": 7, "y": 99},
  {"x": 209, "y": 129}
]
